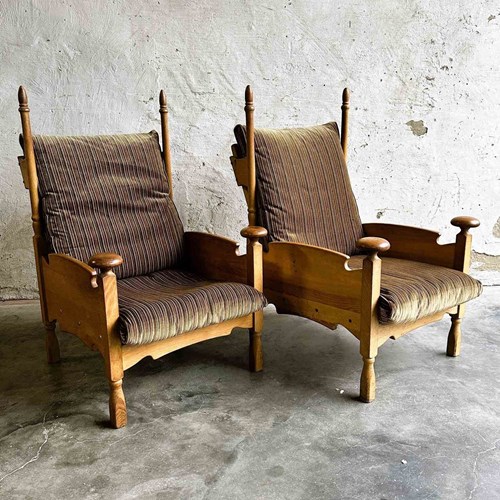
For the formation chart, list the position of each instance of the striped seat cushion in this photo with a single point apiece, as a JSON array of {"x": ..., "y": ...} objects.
[
  {"x": 303, "y": 190},
  {"x": 108, "y": 194},
  {"x": 167, "y": 303},
  {"x": 412, "y": 290}
]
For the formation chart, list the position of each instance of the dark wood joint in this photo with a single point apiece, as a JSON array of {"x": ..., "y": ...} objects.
[
  {"x": 465, "y": 222},
  {"x": 253, "y": 233},
  {"x": 105, "y": 262},
  {"x": 373, "y": 245}
]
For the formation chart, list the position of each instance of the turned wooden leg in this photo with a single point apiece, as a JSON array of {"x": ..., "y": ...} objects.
[
  {"x": 367, "y": 386},
  {"x": 51, "y": 343},
  {"x": 454, "y": 337},
  {"x": 256, "y": 356},
  {"x": 117, "y": 405},
  {"x": 256, "y": 362}
]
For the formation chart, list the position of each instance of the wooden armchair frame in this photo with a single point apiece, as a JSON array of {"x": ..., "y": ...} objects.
[
  {"x": 318, "y": 283},
  {"x": 83, "y": 298}
]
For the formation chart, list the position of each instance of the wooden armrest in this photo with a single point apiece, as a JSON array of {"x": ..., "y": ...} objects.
[
  {"x": 373, "y": 245},
  {"x": 253, "y": 232},
  {"x": 465, "y": 222},
  {"x": 105, "y": 262},
  {"x": 214, "y": 257},
  {"x": 413, "y": 243}
]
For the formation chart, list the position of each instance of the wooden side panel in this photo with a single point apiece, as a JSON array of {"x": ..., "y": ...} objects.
[
  {"x": 215, "y": 257},
  {"x": 313, "y": 282},
  {"x": 320, "y": 312},
  {"x": 413, "y": 243},
  {"x": 75, "y": 300}
]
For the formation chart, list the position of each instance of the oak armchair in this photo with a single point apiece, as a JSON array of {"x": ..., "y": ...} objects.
[
  {"x": 322, "y": 263},
  {"x": 114, "y": 265}
]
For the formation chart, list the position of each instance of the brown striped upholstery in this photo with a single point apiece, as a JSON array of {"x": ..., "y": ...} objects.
[
  {"x": 167, "y": 303},
  {"x": 303, "y": 190},
  {"x": 412, "y": 290},
  {"x": 108, "y": 194}
]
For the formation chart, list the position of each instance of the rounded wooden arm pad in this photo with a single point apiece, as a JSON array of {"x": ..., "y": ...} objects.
[
  {"x": 105, "y": 261},
  {"x": 373, "y": 244},
  {"x": 465, "y": 222},
  {"x": 253, "y": 232}
]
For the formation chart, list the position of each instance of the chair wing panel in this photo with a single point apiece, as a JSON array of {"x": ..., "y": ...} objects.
[
  {"x": 413, "y": 243},
  {"x": 74, "y": 298},
  {"x": 315, "y": 282},
  {"x": 214, "y": 257}
]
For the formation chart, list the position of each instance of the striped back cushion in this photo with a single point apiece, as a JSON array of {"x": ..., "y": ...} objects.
[
  {"x": 108, "y": 194},
  {"x": 303, "y": 190}
]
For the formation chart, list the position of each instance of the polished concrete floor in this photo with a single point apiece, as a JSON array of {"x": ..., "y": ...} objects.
[{"x": 201, "y": 426}]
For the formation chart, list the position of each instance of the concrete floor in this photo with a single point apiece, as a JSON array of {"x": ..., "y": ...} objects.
[{"x": 201, "y": 426}]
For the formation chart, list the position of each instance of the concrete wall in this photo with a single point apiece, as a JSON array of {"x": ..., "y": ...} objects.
[{"x": 425, "y": 86}]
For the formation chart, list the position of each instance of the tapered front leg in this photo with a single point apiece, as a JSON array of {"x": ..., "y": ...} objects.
[
  {"x": 455, "y": 334},
  {"x": 117, "y": 405},
  {"x": 368, "y": 383},
  {"x": 454, "y": 337},
  {"x": 51, "y": 343}
]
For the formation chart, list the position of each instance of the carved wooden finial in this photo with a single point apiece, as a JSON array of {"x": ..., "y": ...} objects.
[
  {"x": 465, "y": 222},
  {"x": 249, "y": 98},
  {"x": 22, "y": 97},
  {"x": 345, "y": 120},
  {"x": 346, "y": 95},
  {"x": 250, "y": 136},
  {"x": 165, "y": 139},
  {"x": 163, "y": 101}
]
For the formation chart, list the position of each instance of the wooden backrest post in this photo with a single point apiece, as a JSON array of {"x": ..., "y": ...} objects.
[
  {"x": 345, "y": 121},
  {"x": 249, "y": 110},
  {"x": 28, "y": 166},
  {"x": 29, "y": 158},
  {"x": 166, "y": 141}
]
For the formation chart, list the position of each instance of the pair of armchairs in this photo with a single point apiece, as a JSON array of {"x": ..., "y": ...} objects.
[{"x": 116, "y": 268}]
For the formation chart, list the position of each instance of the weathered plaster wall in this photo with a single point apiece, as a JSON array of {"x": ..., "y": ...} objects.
[{"x": 424, "y": 75}]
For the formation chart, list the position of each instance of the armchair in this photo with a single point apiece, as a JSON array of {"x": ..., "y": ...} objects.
[
  {"x": 114, "y": 265},
  {"x": 379, "y": 281}
]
